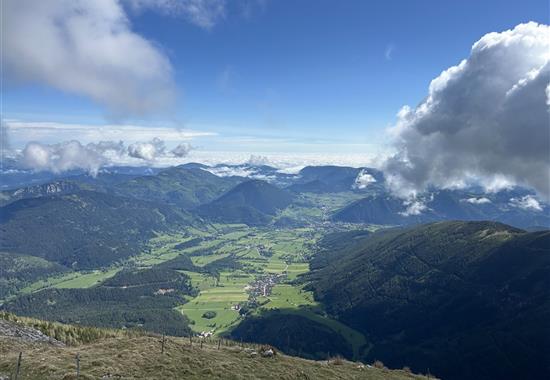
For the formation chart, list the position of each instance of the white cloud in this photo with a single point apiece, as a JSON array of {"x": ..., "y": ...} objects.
[
  {"x": 291, "y": 169},
  {"x": 86, "y": 48},
  {"x": 527, "y": 202},
  {"x": 484, "y": 119},
  {"x": 286, "y": 162},
  {"x": 182, "y": 150},
  {"x": 229, "y": 171},
  {"x": 91, "y": 157},
  {"x": 148, "y": 151},
  {"x": 477, "y": 201},
  {"x": 414, "y": 207},
  {"x": 363, "y": 180},
  {"x": 203, "y": 13},
  {"x": 61, "y": 157},
  {"x": 258, "y": 160}
]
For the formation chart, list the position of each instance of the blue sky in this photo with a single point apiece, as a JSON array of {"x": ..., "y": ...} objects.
[{"x": 292, "y": 76}]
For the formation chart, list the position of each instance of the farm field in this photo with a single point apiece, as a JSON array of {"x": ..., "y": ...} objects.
[
  {"x": 236, "y": 270},
  {"x": 235, "y": 266},
  {"x": 257, "y": 255},
  {"x": 73, "y": 280}
]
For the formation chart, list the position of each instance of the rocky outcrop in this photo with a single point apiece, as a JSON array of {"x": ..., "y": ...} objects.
[{"x": 26, "y": 333}]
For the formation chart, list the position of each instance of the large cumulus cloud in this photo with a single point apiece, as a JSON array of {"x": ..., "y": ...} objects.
[
  {"x": 86, "y": 48},
  {"x": 148, "y": 151},
  {"x": 62, "y": 157},
  {"x": 486, "y": 119}
]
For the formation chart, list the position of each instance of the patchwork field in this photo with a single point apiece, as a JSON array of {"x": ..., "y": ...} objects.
[
  {"x": 236, "y": 269},
  {"x": 257, "y": 255}
]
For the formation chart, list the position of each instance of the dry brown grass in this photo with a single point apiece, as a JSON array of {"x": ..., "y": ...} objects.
[
  {"x": 125, "y": 354},
  {"x": 140, "y": 358},
  {"x": 336, "y": 360}
]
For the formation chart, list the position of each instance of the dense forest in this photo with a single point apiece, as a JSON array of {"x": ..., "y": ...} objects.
[{"x": 131, "y": 299}]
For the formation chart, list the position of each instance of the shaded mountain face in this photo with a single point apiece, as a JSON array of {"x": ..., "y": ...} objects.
[
  {"x": 331, "y": 179},
  {"x": 383, "y": 208},
  {"x": 252, "y": 202},
  {"x": 375, "y": 209},
  {"x": 464, "y": 299},
  {"x": 182, "y": 186},
  {"x": 293, "y": 334},
  {"x": 83, "y": 229}
]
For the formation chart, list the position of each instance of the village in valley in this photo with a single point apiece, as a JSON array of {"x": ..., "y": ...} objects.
[{"x": 261, "y": 272}]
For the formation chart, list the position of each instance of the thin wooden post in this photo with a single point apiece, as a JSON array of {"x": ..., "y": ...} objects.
[
  {"x": 190, "y": 341},
  {"x": 201, "y": 343},
  {"x": 219, "y": 343},
  {"x": 163, "y": 341},
  {"x": 18, "y": 366},
  {"x": 78, "y": 365}
]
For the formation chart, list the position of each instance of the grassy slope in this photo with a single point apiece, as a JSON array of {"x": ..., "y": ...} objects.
[
  {"x": 141, "y": 358},
  {"x": 132, "y": 354}
]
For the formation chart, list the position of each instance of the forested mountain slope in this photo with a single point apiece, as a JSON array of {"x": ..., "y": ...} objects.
[
  {"x": 465, "y": 299},
  {"x": 83, "y": 229},
  {"x": 185, "y": 187},
  {"x": 252, "y": 202}
]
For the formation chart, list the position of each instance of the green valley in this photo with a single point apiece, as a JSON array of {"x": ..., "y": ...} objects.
[{"x": 262, "y": 264}]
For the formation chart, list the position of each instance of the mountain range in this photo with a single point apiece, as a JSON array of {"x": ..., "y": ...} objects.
[
  {"x": 206, "y": 188},
  {"x": 397, "y": 280}
]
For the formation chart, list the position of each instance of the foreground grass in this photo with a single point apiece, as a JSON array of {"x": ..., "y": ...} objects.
[
  {"x": 130, "y": 354},
  {"x": 141, "y": 358}
]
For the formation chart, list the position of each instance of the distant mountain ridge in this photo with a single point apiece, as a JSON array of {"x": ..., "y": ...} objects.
[
  {"x": 189, "y": 186},
  {"x": 85, "y": 228},
  {"x": 332, "y": 179},
  {"x": 186, "y": 187},
  {"x": 252, "y": 202},
  {"x": 384, "y": 208}
]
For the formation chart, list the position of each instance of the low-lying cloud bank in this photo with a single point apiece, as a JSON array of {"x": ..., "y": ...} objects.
[
  {"x": 91, "y": 157},
  {"x": 485, "y": 120}
]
